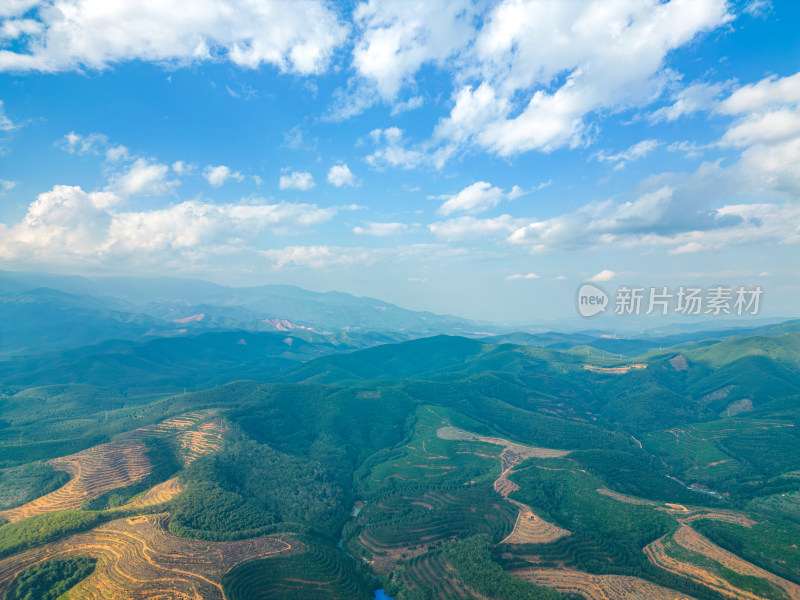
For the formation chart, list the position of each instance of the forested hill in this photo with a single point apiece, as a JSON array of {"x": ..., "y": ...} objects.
[{"x": 438, "y": 467}]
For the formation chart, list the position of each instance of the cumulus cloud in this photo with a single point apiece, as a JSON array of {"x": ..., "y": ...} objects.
[
  {"x": 339, "y": 175},
  {"x": 476, "y": 198},
  {"x": 604, "y": 275},
  {"x": 688, "y": 101},
  {"x": 218, "y": 175},
  {"x": 767, "y": 130},
  {"x": 295, "y": 37},
  {"x": 768, "y": 93},
  {"x": 74, "y": 143},
  {"x": 143, "y": 178},
  {"x": 181, "y": 167},
  {"x": 6, "y": 185},
  {"x": 393, "y": 41},
  {"x": 512, "y": 105},
  {"x": 465, "y": 228},
  {"x": 381, "y": 229},
  {"x": 297, "y": 180},
  {"x": 391, "y": 150},
  {"x": 69, "y": 224},
  {"x": 517, "y": 276},
  {"x": 412, "y": 103}
]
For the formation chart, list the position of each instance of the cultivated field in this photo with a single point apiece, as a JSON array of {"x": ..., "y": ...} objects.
[
  {"x": 163, "y": 492},
  {"x": 689, "y": 539},
  {"x": 433, "y": 574},
  {"x": 93, "y": 472},
  {"x": 531, "y": 529},
  {"x": 206, "y": 438},
  {"x": 138, "y": 558},
  {"x": 599, "y": 587},
  {"x": 123, "y": 462}
]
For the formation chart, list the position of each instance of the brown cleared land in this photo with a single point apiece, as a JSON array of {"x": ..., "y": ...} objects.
[
  {"x": 163, "y": 492},
  {"x": 693, "y": 541},
  {"x": 138, "y": 558},
  {"x": 123, "y": 462},
  {"x": 179, "y": 423},
  {"x": 205, "y": 439},
  {"x": 626, "y": 499},
  {"x": 599, "y": 587},
  {"x": 512, "y": 455},
  {"x": 93, "y": 471},
  {"x": 614, "y": 370},
  {"x": 531, "y": 529}
]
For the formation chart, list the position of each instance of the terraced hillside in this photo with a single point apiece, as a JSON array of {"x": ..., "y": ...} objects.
[
  {"x": 415, "y": 519},
  {"x": 319, "y": 573},
  {"x": 93, "y": 472},
  {"x": 692, "y": 555},
  {"x": 123, "y": 462},
  {"x": 599, "y": 587},
  {"x": 432, "y": 575},
  {"x": 139, "y": 558}
]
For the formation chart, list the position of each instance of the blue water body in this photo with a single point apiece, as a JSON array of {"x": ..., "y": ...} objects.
[{"x": 380, "y": 595}]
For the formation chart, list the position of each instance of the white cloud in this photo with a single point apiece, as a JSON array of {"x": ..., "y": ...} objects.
[
  {"x": 767, "y": 128},
  {"x": 462, "y": 228},
  {"x": 297, "y": 36},
  {"x": 117, "y": 153},
  {"x": 5, "y": 123},
  {"x": 768, "y": 93},
  {"x": 318, "y": 257},
  {"x": 297, "y": 180},
  {"x": 473, "y": 199},
  {"x": 512, "y": 105},
  {"x": 16, "y": 8},
  {"x": 517, "y": 276},
  {"x": 516, "y": 192},
  {"x": 604, "y": 275},
  {"x": 143, "y": 178},
  {"x": 181, "y": 167},
  {"x": 774, "y": 126},
  {"x": 6, "y": 185},
  {"x": 392, "y": 151},
  {"x": 340, "y": 175},
  {"x": 69, "y": 225},
  {"x": 395, "y": 39},
  {"x": 476, "y": 198},
  {"x": 635, "y": 152},
  {"x": 688, "y": 101},
  {"x": 218, "y": 175},
  {"x": 381, "y": 229},
  {"x": 74, "y": 143},
  {"x": 412, "y": 103}
]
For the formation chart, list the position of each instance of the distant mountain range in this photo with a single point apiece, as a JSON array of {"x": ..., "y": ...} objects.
[{"x": 48, "y": 312}]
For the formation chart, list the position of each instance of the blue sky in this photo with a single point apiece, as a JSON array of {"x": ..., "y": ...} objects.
[{"x": 476, "y": 158}]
